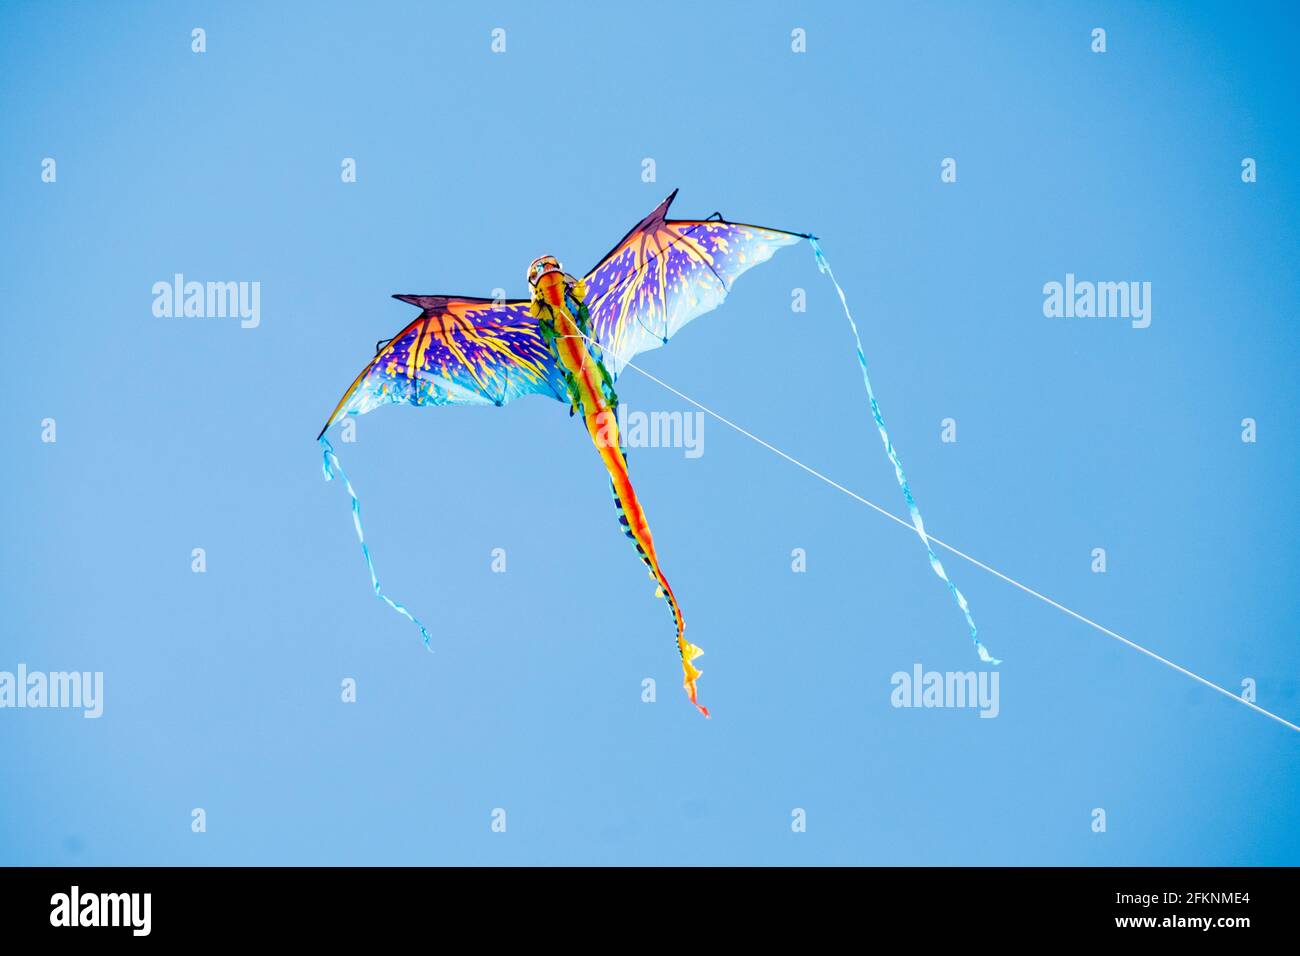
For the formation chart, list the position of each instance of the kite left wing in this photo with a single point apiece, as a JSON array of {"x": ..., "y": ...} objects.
[{"x": 460, "y": 351}]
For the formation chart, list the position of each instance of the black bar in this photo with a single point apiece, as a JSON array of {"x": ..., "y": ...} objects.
[{"x": 210, "y": 905}]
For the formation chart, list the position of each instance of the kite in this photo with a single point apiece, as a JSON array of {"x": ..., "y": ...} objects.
[{"x": 570, "y": 341}]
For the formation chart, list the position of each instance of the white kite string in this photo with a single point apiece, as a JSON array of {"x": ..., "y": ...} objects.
[{"x": 961, "y": 554}]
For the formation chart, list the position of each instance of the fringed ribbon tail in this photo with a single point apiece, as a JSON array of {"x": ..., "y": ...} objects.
[
  {"x": 915, "y": 513},
  {"x": 331, "y": 466}
]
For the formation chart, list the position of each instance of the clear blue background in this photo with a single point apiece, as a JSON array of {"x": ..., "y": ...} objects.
[{"x": 222, "y": 689}]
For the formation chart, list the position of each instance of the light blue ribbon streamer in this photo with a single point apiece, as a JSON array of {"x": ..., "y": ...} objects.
[
  {"x": 915, "y": 512},
  {"x": 329, "y": 470}
]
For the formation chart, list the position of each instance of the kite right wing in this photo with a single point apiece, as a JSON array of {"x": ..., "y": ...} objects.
[{"x": 666, "y": 272}]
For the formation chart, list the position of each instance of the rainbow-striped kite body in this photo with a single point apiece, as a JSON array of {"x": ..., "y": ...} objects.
[{"x": 570, "y": 341}]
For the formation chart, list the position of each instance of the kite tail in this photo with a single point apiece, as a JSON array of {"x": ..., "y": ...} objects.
[
  {"x": 631, "y": 518},
  {"x": 915, "y": 512},
  {"x": 332, "y": 465}
]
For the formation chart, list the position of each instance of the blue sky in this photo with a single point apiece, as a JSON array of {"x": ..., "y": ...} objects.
[{"x": 222, "y": 689}]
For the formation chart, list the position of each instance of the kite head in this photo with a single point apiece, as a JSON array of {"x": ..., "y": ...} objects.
[{"x": 541, "y": 266}]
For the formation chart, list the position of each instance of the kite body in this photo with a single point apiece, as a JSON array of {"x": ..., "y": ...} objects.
[
  {"x": 564, "y": 319},
  {"x": 570, "y": 340}
]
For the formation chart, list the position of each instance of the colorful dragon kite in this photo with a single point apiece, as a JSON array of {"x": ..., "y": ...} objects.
[{"x": 570, "y": 341}]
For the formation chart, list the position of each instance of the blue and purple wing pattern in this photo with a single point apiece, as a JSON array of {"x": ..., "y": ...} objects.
[
  {"x": 665, "y": 273},
  {"x": 460, "y": 351}
]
